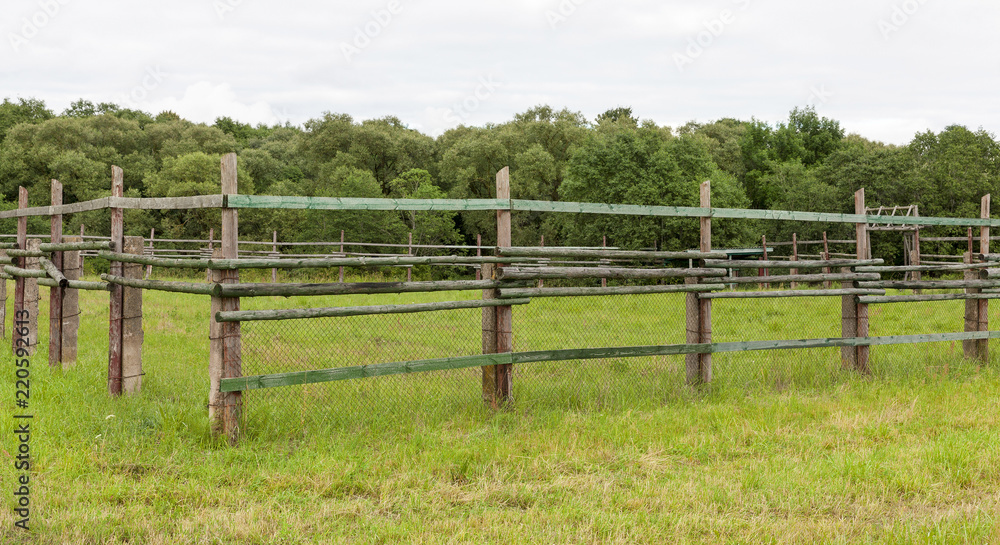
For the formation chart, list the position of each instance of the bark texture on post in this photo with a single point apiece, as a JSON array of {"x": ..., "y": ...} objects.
[
  {"x": 17, "y": 341},
  {"x": 861, "y": 311},
  {"x": 115, "y": 314},
  {"x": 705, "y": 305},
  {"x": 31, "y": 297},
  {"x": 504, "y": 315},
  {"x": 71, "y": 305},
  {"x": 132, "y": 334},
  {"x": 489, "y": 372},
  {"x": 228, "y": 422},
  {"x": 56, "y": 293}
]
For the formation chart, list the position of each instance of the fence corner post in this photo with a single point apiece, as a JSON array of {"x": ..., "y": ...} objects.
[
  {"x": 56, "y": 292},
  {"x": 504, "y": 315},
  {"x": 115, "y": 318},
  {"x": 984, "y": 304},
  {"x": 860, "y": 310},
  {"x": 225, "y": 357}
]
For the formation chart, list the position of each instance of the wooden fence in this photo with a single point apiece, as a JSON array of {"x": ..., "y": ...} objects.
[{"x": 512, "y": 276}]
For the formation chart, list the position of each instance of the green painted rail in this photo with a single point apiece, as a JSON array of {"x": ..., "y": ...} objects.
[{"x": 398, "y": 368}]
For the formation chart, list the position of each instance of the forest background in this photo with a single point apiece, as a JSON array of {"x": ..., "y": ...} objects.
[{"x": 805, "y": 163}]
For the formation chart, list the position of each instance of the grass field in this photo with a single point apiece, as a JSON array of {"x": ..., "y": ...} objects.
[{"x": 783, "y": 448}]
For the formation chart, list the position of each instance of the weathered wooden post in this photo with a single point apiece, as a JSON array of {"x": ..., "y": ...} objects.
[
  {"x": 699, "y": 311},
  {"x": 18, "y": 341},
  {"x": 826, "y": 257},
  {"x": 795, "y": 257},
  {"x": 225, "y": 359},
  {"x": 984, "y": 304},
  {"x": 31, "y": 296},
  {"x": 274, "y": 252},
  {"x": 132, "y": 334},
  {"x": 977, "y": 311},
  {"x": 70, "y": 306},
  {"x": 56, "y": 292},
  {"x": 115, "y": 318},
  {"x": 489, "y": 339},
  {"x": 864, "y": 251},
  {"x": 497, "y": 379}
]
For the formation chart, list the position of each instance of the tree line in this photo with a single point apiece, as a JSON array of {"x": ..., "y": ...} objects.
[{"x": 804, "y": 163}]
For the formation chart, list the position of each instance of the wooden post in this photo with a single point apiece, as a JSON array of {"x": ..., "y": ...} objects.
[
  {"x": 409, "y": 251},
  {"x": 698, "y": 312},
  {"x": 826, "y": 257},
  {"x": 984, "y": 308},
  {"x": 71, "y": 305},
  {"x": 132, "y": 334},
  {"x": 604, "y": 244},
  {"x": 479, "y": 252},
  {"x": 861, "y": 312},
  {"x": 149, "y": 268},
  {"x": 226, "y": 358},
  {"x": 274, "y": 250},
  {"x": 489, "y": 341},
  {"x": 502, "y": 394},
  {"x": 971, "y": 347},
  {"x": 541, "y": 244},
  {"x": 115, "y": 319},
  {"x": 56, "y": 293},
  {"x": 31, "y": 296},
  {"x": 211, "y": 251},
  {"x": 341, "y": 253},
  {"x": 795, "y": 257},
  {"x": 81, "y": 253},
  {"x": 19, "y": 341}
]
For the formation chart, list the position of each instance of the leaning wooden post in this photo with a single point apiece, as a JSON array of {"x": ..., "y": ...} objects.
[
  {"x": 863, "y": 252},
  {"x": 31, "y": 296},
  {"x": 226, "y": 354},
  {"x": 795, "y": 257},
  {"x": 55, "y": 292},
  {"x": 18, "y": 341},
  {"x": 274, "y": 251},
  {"x": 984, "y": 304},
  {"x": 340, "y": 275},
  {"x": 149, "y": 268},
  {"x": 132, "y": 334},
  {"x": 503, "y": 391},
  {"x": 115, "y": 319},
  {"x": 699, "y": 311},
  {"x": 826, "y": 257},
  {"x": 71, "y": 305}
]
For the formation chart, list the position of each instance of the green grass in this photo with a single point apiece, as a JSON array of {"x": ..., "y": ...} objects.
[{"x": 784, "y": 447}]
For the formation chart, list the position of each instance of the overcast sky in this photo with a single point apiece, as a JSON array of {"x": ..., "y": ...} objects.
[{"x": 885, "y": 69}]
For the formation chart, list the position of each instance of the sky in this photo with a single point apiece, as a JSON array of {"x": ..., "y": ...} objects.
[{"x": 885, "y": 69}]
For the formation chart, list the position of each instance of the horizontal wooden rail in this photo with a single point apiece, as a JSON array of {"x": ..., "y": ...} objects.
[
  {"x": 527, "y": 251},
  {"x": 338, "y": 312},
  {"x": 75, "y": 284},
  {"x": 73, "y": 246},
  {"x": 926, "y": 297},
  {"x": 930, "y": 284},
  {"x": 26, "y": 253},
  {"x": 354, "y": 262},
  {"x": 810, "y": 264},
  {"x": 163, "y": 285},
  {"x": 183, "y": 263},
  {"x": 53, "y": 272},
  {"x": 338, "y": 203},
  {"x": 515, "y": 273},
  {"x": 611, "y": 290},
  {"x": 351, "y": 288},
  {"x": 24, "y": 273},
  {"x": 832, "y": 277},
  {"x": 789, "y": 293},
  {"x": 923, "y": 268},
  {"x": 397, "y": 368}
]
